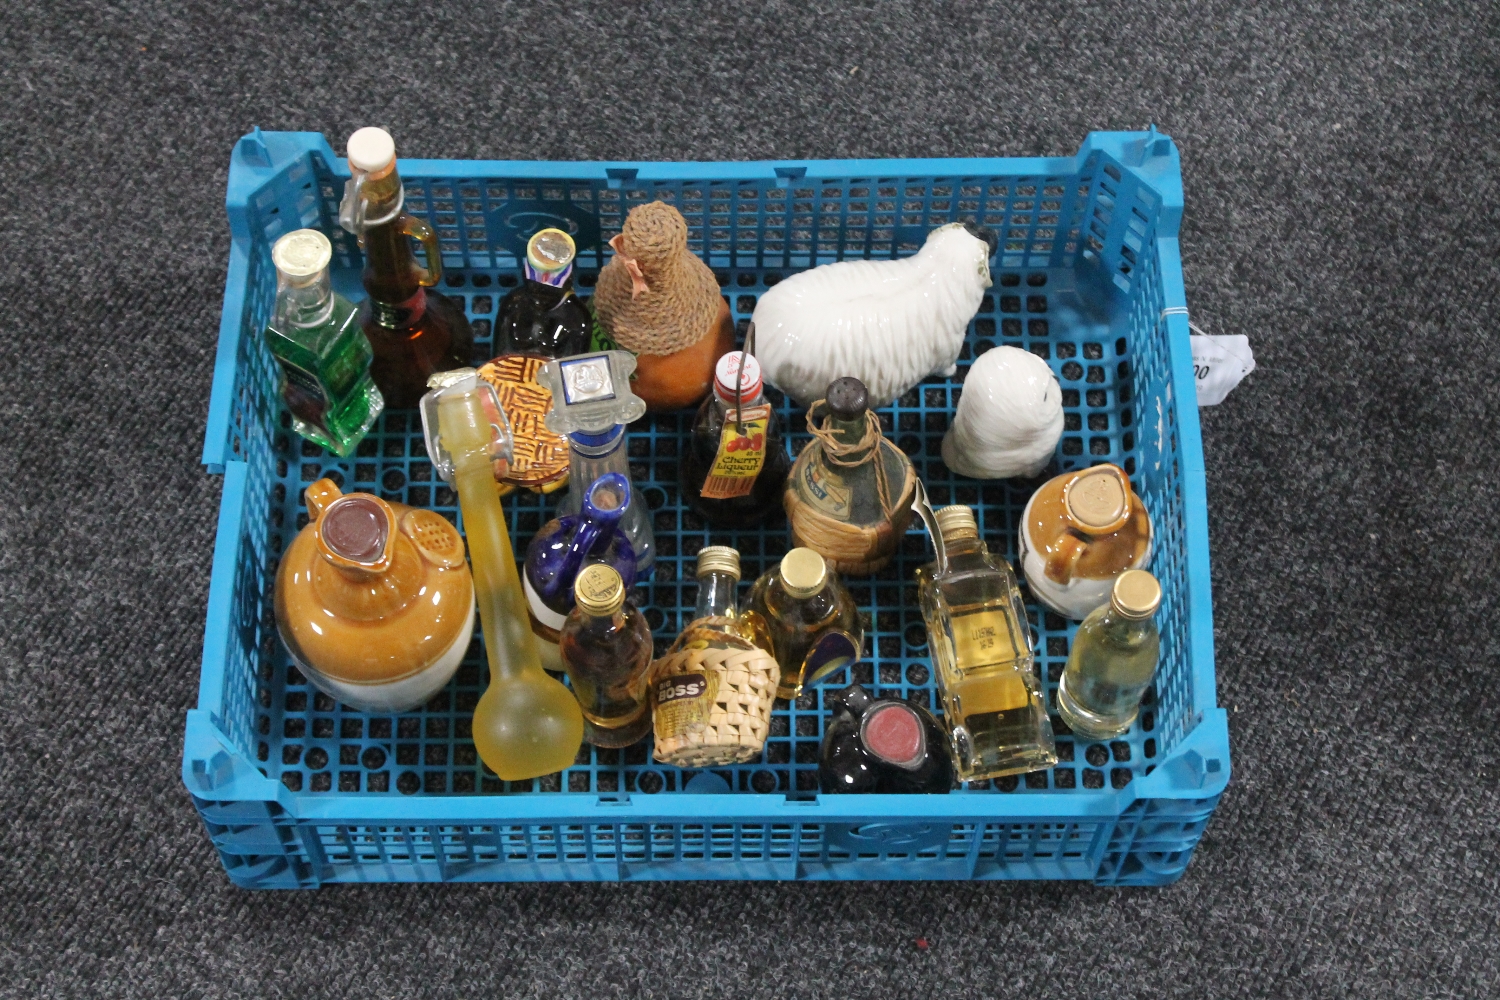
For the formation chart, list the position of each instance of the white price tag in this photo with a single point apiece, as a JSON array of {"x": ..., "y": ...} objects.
[{"x": 1219, "y": 363}]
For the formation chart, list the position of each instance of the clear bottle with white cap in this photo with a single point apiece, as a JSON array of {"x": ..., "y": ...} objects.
[
  {"x": 543, "y": 316},
  {"x": 1112, "y": 660},
  {"x": 414, "y": 330},
  {"x": 324, "y": 357},
  {"x": 736, "y": 464},
  {"x": 804, "y": 615}
]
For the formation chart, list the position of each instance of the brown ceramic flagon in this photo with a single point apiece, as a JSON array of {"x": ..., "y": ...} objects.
[{"x": 374, "y": 600}]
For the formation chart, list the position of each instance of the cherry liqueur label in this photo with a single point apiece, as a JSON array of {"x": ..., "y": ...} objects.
[{"x": 742, "y": 454}]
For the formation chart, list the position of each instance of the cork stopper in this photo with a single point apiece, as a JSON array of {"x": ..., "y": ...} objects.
[
  {"x": 957, "y": 522},
  {"x": 550, "y": 250},
  {"x": 599, "y": 590},
  {"x": 302, "y": 256},
  {"x": 1136, "y": 594},
  {"x": 803, "y": 573},
  {"x": 1099, "y": 499},
  {"x": 372, "y": 151},
  {"x": 718, "y": 559},
  {"x": 848, "y": 398}
]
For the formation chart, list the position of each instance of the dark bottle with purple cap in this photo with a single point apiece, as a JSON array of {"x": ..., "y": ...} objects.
[{"x": 882, "y": 745}]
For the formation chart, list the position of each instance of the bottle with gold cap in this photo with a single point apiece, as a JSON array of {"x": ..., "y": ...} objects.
[
  {"x": 803, "y": 614},
  {"x": 606, "y": 651},
  {"x": 414, "y": 330},
  {"x": 544, "y": 316},
  {"x": 1080, "y": 531},
  {"x": 324, "y": 356},
  {"x": 1112, "y": 660},
  {"x": 711, "y": 694},
  {"x": 981, "y": 649}
]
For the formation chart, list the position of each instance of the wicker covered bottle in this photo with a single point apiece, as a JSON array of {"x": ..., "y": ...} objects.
[
  {"x": 656, "y": 299},
  {"x": 712, "y": 693},
  {"x": 850, "y": 492}
]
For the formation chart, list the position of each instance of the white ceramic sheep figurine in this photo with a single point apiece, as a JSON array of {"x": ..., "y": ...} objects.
[
  {"x": 1009, "y": 417},
  {"x": 888, "y": 323}
]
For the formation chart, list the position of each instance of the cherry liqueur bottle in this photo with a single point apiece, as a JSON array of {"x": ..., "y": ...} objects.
[
  {"x": 324, "y": 357},
  {"x": 414, "y": 331},
  {"x": 544, "y": 316},
  {"x": 606, "y": 650},
  {"x": 736, "y": 464}
]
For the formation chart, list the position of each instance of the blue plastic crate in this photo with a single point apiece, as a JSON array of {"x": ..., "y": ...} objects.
[{"x": 297, "y": 791}]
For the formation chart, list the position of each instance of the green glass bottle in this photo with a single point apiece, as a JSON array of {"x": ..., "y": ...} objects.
[{"x": 314, "y": 335}]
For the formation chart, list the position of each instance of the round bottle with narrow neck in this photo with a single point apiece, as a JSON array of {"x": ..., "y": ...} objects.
[
  {"x": 981, "y": 648},
  {"x": 413, "y": 330},
  {"x": 606, "y": 651},
  {"x": 849, "y": 494},
  {"x": 805, "y": 616},
  {"x": 544, "y": 316},
  {"x": 1112, "y": 660},
  {"x": 736, "y": 464},
  {"x": 316, "y": 340}
]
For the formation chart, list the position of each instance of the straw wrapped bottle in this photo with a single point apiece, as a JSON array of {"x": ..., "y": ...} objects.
[{"x": 659, "y": 301}]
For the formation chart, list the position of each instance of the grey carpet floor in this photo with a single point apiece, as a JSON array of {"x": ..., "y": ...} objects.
[{"x": 1340, "y": 164}]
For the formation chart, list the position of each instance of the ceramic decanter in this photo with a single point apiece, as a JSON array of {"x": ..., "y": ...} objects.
[
  {"x": 888, "y": 323},
  {"x": 656, "y": 299},
  {"x": 564, "y": 545},
  {"x": 1079, "y": 531},
  {"x": 882, "y": 745},
  {"x": 592, "y": 401},
  {"x": 849, "y": 494},
  {"x": 374, "y": 600}
]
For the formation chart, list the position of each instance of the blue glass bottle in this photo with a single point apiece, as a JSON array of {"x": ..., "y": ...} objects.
[{"x": 567, "y": 544}]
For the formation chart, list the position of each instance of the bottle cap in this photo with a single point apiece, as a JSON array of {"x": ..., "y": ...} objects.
[
  {"x": 1136, "y": 594},
  {"x": 803, "y": 572},
  {"x": 599, "y": 590},
  {"x": 957, "y": 522},
  {"x": 371, "y": 150},
  {"x": 550, "y": 250},
  {"x": 302, "y": 256},
  {"x": 1099, "y": 499},
  {"x": 727, "y": 371},
  {"x": 894, "y": 733},
  {"x": 718, "y": 559},
  {"x": 848, "y": 398}
]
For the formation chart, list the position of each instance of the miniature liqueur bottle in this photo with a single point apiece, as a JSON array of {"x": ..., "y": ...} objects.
[
  {"x": 849, "y": 494},
  {"x": 1113, "y": 660},
  {"x": 544, "y": 316},
  {"x": 801, "y": 612},
  {"x": 658, "y": 300},
  {"x": 882, "y": 745},
  {"x": 324, "y": 356},
  {"x": 564, "y": 546},
  {"x": 526, "y": 724},
  {"x": 592, "y": 402},
  {"x": 981, "y": 648},
  {"x": 736, "y": 464},
  {"x": 606, "y": 650},
  {"x": 711, "y": 694},
  {"x": 413, "y": 330},
  {"x": 374, "y": 600}
]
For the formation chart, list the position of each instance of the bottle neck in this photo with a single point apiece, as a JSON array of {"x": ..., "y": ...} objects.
[
  {"x": 603, "y": 624},
  {"x": 963, "y": 545},
  {"x": 1123, "y": 630},
  {"x": 716, "y": 595},
  {"x": 304, "y": 305},
  {"x": 561, "y": 280},
  {"x": 724, "y": 406},
  {"x": 850, "y": 432},
  {"x": 390, "y": 266}
]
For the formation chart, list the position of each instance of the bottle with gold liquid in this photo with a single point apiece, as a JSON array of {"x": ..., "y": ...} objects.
[
  {"x": 606, "y": 650},
  {"x": 803, "y": 614},
  {"x": 1113, "y": 660},
  {"x": 413, "y": 330},
  {"x": 981, "y": 648}
]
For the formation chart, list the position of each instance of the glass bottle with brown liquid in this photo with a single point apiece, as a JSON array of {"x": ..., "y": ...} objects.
[
  {"x": 736, "y": 464},
  {"x": 802, "y": 613},
  {"x": 606, "y": 650},
  {"x": 413, "y": 330}
]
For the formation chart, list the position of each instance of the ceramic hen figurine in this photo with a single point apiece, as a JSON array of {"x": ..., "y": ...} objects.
[
  {"x": 888, "y": 323},
  {"x": 1009, "y": 417}
]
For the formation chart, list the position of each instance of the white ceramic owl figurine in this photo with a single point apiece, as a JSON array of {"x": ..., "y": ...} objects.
[
  {"x": 888, "y": 323},
  {"x": 1009, "y": 417}
]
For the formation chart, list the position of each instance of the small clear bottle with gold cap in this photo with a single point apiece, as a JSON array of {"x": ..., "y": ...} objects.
[
  {"x": 803, "y": 614},
  {"x": 314, "y": 336},
  {"x": 1112, "y": 660},
  {"x": 981, "y": 648},
  {"x": 606, "y": 651},
  {"x": 544, "y": 316}
]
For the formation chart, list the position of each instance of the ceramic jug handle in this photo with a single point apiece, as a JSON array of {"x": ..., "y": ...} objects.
[
  {"x": 418, "y": 230},
  {"x": 319, "y": 495}
]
